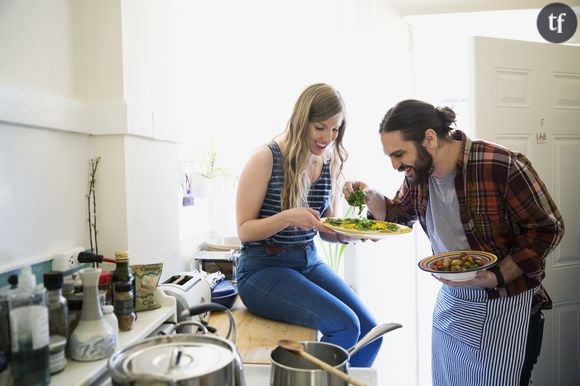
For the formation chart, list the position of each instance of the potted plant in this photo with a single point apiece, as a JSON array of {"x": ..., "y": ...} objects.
[{"x": 207, "y": 172}]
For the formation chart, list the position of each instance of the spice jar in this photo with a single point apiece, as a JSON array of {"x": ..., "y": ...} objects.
[{"x": 124, "y": 305}]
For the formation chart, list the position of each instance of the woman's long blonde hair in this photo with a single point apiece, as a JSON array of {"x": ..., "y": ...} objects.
[{"x": 317, "y": 103}]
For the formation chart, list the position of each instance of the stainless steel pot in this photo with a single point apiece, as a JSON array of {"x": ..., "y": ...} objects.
[
  {"x": 181, "y": 359},
  {"x": 290, "y": 369}
]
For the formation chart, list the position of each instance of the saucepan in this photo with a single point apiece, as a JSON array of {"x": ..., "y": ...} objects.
[
  {"x": 180, "y": 359},
  {"x": 291, "y": 369}
]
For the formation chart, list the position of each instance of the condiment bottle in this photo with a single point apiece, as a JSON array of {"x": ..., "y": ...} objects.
[
  {"x": 124, "y": 305},
  {"x": 30, "y": 334},
  {"x": 123, "y": 272}
]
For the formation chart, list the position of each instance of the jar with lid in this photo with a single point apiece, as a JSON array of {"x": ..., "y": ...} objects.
[
  {"x": 57, "y": 304},
  {"x": 124, "y": 305},
  {"x": 57, "y": 320}
]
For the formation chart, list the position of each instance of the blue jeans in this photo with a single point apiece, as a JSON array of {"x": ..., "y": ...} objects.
[{"x": 295, "y": 286}]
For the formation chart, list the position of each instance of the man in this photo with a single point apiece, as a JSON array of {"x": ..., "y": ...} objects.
[{"x": 471, "y": 194}]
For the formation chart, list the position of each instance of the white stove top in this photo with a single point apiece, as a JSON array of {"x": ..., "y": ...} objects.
[{"x": 259, "y": 375}]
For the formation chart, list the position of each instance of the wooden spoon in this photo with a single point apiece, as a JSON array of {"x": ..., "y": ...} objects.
[{"x": 297, "y": 347}]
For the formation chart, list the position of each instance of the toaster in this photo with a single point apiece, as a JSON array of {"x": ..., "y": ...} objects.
[{"x": 189, "y": 289}]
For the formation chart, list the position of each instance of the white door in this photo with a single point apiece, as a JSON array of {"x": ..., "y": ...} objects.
[{"x": 527, "y": 98}]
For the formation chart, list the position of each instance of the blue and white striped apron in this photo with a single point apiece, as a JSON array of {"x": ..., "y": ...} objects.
[{"x": 479, "y": 341}]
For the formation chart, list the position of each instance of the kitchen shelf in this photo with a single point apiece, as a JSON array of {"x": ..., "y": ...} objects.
[{"x": 90, "y": 373}]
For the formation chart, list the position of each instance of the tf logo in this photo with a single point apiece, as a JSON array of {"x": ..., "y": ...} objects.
[{"x": 557, "y": 22}]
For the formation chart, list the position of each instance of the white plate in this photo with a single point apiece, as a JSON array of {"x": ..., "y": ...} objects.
[{"x": 375, "y": 235}]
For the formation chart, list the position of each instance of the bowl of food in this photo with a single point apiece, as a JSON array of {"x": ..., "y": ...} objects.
[{"x": 458, "y": 265}]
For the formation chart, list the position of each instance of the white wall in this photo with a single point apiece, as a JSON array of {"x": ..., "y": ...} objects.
[
  {"x": 80, "y": 98},
  {"x": 106, "y": 87}
]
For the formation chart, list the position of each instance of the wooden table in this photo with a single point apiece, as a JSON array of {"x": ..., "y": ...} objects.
[{"x": 257, "y": 336}]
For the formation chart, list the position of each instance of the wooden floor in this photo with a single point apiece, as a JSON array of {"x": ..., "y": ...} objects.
[{"x": 257, "y": 336}]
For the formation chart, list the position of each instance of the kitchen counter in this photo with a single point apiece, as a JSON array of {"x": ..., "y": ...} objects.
[
  {"x": 257, "y": 336},
  {"x": 95, "y": 372}
]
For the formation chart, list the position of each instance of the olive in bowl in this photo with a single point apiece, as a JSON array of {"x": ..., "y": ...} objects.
[{"x": 458, "y": 265}]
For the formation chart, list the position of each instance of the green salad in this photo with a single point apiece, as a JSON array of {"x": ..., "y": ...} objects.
[
  {"x": 357, "y": 199},
  {"x": 362, "y": 224}
]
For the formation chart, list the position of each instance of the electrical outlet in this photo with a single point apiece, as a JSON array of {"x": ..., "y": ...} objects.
[{"x": 67, "y": 260}]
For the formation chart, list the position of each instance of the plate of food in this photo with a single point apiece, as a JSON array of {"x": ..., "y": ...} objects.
[
  {"x": 458, "y": 265},
  {"x": 364, "y": 228}
]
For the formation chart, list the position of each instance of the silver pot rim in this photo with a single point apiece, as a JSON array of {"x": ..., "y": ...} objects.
[
  {"x": 171, "y": 358},
  {"x": 343, "y": 364}
]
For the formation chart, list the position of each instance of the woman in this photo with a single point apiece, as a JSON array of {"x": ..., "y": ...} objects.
[{"x": 284, "y": 190}]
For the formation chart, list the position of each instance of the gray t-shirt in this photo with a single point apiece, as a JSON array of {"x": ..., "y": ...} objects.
[{"x": 443, "y": 222}]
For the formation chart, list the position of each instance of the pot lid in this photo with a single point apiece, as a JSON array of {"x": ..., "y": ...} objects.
[{"x": 176, "y": 361}]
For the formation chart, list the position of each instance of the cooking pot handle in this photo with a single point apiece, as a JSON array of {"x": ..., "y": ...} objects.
[
  {"x": 373, "y": 335},
  {"x": 190, "y": 323},
  {"x": 203, "y": 308}
]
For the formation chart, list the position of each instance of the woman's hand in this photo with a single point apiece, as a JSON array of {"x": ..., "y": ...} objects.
[{"x": 305, "y": 218}]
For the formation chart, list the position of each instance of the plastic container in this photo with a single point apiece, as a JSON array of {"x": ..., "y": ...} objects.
[{"x": 109, "y": 314}]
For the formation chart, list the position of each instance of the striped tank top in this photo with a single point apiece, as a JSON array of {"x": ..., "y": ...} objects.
[{"x": 318, "y": 199}]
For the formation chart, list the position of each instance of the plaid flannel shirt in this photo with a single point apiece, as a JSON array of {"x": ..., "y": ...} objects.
[{"x": 505, "y": 209}]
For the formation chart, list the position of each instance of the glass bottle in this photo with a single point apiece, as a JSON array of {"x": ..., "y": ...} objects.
[
  {"x": 29, "y": 328},
  {"x": 57, "y": 304},
  {"x": 57, "y": 319},
  {"x": 123, "y": 273}
]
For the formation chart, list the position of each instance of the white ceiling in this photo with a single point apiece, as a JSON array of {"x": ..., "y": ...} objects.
[{"x": 418, "y": 7}]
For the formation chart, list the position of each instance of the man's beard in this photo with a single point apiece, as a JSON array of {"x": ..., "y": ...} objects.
[{"x": 423, "y": 167}]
